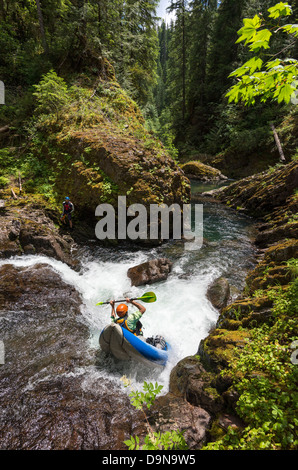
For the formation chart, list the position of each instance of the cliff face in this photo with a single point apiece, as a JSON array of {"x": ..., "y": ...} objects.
[
  {"x": 118, "y": 165},
  {"x": 96, "y": 147}
]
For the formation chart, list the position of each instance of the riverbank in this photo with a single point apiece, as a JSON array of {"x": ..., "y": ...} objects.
[{"x": 243, "y": 374}]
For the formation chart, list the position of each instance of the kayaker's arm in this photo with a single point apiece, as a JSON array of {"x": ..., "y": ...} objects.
[
  {"x": 112, "y": 303},
  {"x": 139, "y": 306}
]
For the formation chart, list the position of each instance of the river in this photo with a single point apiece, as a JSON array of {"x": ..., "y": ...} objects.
[{"x": 182, "y": 313}]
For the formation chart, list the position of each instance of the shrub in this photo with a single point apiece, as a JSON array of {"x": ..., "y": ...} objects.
[{"x": 171, "y": 440}]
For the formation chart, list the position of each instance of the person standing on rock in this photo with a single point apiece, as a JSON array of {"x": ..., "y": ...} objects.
[
  {"x": 130, "y": 322},
  {"x": 68, "y": 208}
]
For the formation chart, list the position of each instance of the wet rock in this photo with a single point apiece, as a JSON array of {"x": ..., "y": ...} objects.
[
  {"x": 174, "y": 413},
  {"x": 49, "y": 397},
  {"x": 14, "y": 230},
  {"x": 28, "y": 230},
  {"x": 190, "y": 380},
  {"x": 150, "y": 272},
  {"x": 219, "y": 293}
]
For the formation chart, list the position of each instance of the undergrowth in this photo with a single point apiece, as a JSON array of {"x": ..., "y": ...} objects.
[{"x": 265, "y": 375}]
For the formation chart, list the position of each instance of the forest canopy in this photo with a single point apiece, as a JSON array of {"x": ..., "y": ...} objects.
[{"x": 178, "y": 73}]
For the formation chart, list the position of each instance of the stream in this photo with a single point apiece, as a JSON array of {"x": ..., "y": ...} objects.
[{"x": 182, "y": 313}]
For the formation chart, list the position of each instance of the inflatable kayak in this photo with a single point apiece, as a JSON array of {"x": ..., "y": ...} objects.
[{"x": 125, "y": 345}]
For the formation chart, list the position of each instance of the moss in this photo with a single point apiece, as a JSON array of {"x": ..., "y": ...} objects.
[
  {"x": 97, "y": 147},
  {"x": 260, "y": 194},
  {"x": 221, "y": 345},
  {"x": 198, "y": 170},
  {"x": 216, "y": 432}
]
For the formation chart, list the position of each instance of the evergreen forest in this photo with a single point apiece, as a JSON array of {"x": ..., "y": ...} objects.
[{"x": 177, "y": 73}]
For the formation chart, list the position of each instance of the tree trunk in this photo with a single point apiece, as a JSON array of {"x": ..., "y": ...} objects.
[
  {"x": 280, "y": 150},
  {"x": 2, "y": 11},
  {"x": 183, "y": 63},
  {"x": 41, "y": 26}
]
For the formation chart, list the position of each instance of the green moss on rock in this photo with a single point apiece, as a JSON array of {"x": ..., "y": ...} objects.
[{"x": 199, "y": 171}]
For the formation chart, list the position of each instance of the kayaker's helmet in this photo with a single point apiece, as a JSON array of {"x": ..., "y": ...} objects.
[
  {"x": 66, "y": 198},
  {"x": 121, "y": 310}
]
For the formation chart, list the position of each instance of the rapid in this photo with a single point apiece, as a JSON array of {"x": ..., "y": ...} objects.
[{"x": 182, "y": 312}]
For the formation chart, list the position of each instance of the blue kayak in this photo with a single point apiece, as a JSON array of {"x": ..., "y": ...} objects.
[{"x": 125, "y": 345}]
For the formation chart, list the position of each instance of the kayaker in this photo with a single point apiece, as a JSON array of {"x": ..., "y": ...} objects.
[
  {"x": 68, "y": 208},
  {"x": 130, "y": 322}
]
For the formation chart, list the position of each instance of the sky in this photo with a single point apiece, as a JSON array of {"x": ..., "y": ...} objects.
[{"x": 161, "y": 10}]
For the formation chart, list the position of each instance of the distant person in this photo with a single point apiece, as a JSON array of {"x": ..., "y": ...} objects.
[
  {"x": 130, "y": 322},
  {"x": 68, "y": 209}
]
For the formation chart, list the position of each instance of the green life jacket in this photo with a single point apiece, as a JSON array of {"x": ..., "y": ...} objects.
[{"x": 123, "y": 323}]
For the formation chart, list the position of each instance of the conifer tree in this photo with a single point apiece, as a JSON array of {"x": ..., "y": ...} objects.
[
  {"x": 177, "y": 66},
  {"x": 201, "y": 22},
  {"x": 223, "y": 51}
]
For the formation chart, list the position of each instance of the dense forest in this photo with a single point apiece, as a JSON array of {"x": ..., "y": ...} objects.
[
  {"x": 197, "y": 54},
  {"x": 177, "y": 73}
]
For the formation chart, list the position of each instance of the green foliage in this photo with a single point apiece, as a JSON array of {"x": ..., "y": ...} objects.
[
  {"x": 266, "y": 379},
  {"x": 265, "y": 79},
  {"x": 3, "y": 181},
  {"x": 51, "y": 93},
  {"x": 80, "y": 37},
  {"x": 211, "y": 125},
  {"x": 138, "y": 399},
  {"x": 34, "y": 170},
  {"x": 171, "y": 440}
]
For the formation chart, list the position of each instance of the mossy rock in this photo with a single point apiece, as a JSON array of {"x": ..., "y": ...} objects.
[
  {"x": 189, "y": 379},
  {"x": 282, "y": 251},
  {"x": 260, "y": 194},
  {"x": 218, "y": 349},
  {"x": 199, "y": 171},
  {"x": 97, "y": 148}
]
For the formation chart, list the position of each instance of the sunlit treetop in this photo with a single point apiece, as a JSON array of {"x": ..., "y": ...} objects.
[{"x": 259, "y": 78}]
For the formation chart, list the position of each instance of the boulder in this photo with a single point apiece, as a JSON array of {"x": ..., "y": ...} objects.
[
  {"x": 29, "y": 230},
  {"x": 219, "y": 293},
  {"x": 155, "y": 270},
  {"x": 198, "y": 171},
  {"x": 170, "y": 412}
]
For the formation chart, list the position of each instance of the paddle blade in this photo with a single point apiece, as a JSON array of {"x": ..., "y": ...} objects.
[
  {"x": 148, "y": 297},
  {"x": 100, "y": 303}
]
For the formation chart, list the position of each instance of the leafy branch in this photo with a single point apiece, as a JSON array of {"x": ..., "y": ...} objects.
[
  {"x": 273, "y": 79},
  {"x": 170, "y": 440}
]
